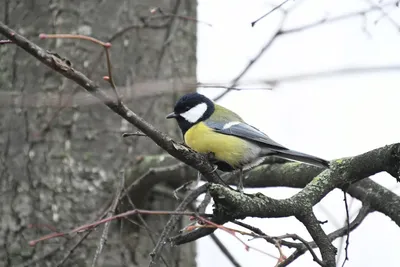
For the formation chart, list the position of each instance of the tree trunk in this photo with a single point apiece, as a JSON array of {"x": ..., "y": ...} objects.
[{"x": 61, "y": 152}]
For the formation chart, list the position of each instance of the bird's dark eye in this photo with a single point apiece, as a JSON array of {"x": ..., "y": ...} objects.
[{"x": 187, "y": 108}]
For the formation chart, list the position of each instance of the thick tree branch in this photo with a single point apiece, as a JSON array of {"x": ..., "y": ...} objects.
[
  {"x": 342, "y": 173},
  {"x": 346, "y": 174},
  {"x": 328, "y": 251},
  {"x": 230, "y": 204},
  {"x": 366, "y": 190}
]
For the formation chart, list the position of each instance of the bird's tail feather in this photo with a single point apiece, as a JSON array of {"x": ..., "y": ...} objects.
[{"x": 302, "y": 157}]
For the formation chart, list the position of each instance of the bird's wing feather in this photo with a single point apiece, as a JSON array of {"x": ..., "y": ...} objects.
[{"x": 245, "y": 131}]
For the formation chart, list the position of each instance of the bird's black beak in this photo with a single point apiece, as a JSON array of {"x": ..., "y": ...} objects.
[{"x": 172, "y": 115}]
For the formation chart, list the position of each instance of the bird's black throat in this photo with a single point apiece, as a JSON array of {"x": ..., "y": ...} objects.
[{"x": 184, "y": 125}]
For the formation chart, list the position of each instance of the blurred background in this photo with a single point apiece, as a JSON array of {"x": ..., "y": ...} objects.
[{"x": 334, "y": 93}]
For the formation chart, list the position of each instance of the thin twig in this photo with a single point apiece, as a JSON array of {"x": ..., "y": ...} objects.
[
  {"x": 300, "y": 248},
  {"x": 323, "y": 21},
  {"x": 145, "y": 225},
  {"x": 72, "y": 36},
  {"x": 138, "y": 133},
  {"x": 144, "y": 177},
  {"x": 185, "y": 186},
  {"x": 73, "y": 248},
  {"x": 168, "y": 15},
  {"x": 224, "y": 250},
  {"x": 111, "y": 213},
  {"x": 171, "y": 224},
  {"x": 203, "y": 205},
  {"x": 281, "y": 32},
  {"x": 211, "y": 85},
  {"x": 362, "y": 214},
  {"x": 211, "y": 224},
  {"x": 384, "y": 15},
  {"x": 266, "y": 46},
  {"x": 305, "y": 243},
  {"x": 110, "y": 77},
  {"x": 346, "y": 249},
  {"x": 90, "y": 226},
  {"x": 106, "y": 46},
  {"x": 171, "y": 29},
  {"x": 269, "y": 12},
  {"x": 2, "y": 42}
]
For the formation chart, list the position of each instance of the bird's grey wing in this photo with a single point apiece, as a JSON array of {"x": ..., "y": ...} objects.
[
  {"x": 270, "y": 147},
  {"x": 245, "y": 131}
]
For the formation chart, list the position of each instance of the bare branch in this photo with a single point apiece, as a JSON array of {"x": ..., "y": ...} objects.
[
  {"x": 305, "y": 243},
  {"x": 144, "y": 224},
  {"x": 203, "y": 205},
  {"x": 266, "y": 46},
  {"x": 73, "y": 248},
  {"x": 364, "y": 211},
  {"x": 323, "y": 21},
  {"x": 179, "y": 151},
  {"x": 274, "y": 81},
  {"x": 280, "y": 32},
  {"x": 138, "y": 133},
  {"x": 111, "y": 213},
  {"x": 269, "y": 12},
  {"x": 174, "y": 15},
  {"x": 348, "y": 228},
  {"x": 2, "y": 42},
  {"x": 269, "y": 239},
  {"x": 171, "y": 224},
  {"x": 224, "y": 250},
  {"x": 328, "y": 251}
]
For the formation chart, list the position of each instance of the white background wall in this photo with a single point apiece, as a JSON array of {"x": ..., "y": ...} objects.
[{"x": 330, "y": 117}]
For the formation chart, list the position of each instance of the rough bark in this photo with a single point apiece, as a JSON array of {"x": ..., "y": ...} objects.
[{"x": 59, "y": 165}]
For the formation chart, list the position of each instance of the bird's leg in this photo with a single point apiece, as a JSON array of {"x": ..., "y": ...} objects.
[
  {"x": 211, "y": 157},
  {"x": 212, "y": 160},
  {"x": 240, "y": 184},
  {"x": 219, "y": 177}
]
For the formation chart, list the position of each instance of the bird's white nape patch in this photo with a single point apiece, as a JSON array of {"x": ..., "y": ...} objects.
[
  {"x": 195, "y": 113},
  {"x": 230, "y": 124}
]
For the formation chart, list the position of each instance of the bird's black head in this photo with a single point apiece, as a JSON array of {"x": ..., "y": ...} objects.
[{"x": 191, "y": 109}]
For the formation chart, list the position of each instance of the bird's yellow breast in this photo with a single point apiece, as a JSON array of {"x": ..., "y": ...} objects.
[{"x": 226, "y": 148}]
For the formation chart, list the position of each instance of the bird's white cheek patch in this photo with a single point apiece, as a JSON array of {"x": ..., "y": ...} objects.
[
  {"x": 230, "y": 124},
  {"x": 195, "y": 113}
]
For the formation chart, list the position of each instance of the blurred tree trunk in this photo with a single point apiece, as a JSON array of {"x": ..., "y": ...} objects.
[{"x": 60, "y": 164}]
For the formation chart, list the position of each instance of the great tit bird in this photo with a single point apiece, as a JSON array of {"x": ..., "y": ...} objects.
[{"x": 210, "y": 128}]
